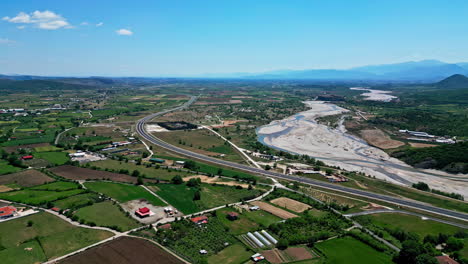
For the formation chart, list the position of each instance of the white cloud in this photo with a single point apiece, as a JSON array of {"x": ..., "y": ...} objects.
[
  {"x": 6, "y": 41},
  {"x": 40, "y": 19},
  {"x": 99, "y": 24},
  {"x": 124, "y": 32},
  {"x": 84, "y": 23},
  {"x": 21, "y": 27}
]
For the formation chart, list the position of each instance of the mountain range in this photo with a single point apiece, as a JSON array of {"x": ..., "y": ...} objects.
[
  {"x": 425, "y": 71},
  {"x": 413, "y": 71}
]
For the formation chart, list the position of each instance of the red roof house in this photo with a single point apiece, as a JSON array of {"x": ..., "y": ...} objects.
[
  {"x": 232, "y": 216},
  {"x": 27, "y": 157},
  {"x": 200, "y": 220},
  {"x": 165, "y": 226},
  {"x": 7, "y": 211},
  {"x": 143, "y": 212},
  {"x": 445, "y": 260}
]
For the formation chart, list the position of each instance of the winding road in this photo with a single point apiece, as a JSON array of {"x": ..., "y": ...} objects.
[{"x": 141, "y": 130}]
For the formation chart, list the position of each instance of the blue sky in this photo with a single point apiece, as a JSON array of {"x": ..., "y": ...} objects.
[{"x": 175, "y": 37}]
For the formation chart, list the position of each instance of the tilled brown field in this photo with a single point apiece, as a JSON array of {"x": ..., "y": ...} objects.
[
  {"x": 298, "y": 253},
  {"x": 77, "y": 173},
  {"x": 25, "y": 178},
  {"x": 124, "y": 250},
  {"x": 290, "y": 204},
  {"x": 274, "y": 210}
]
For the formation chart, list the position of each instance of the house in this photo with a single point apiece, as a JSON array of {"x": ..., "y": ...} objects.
[
  {"x": 180, "y": 162},
  {"x": 200, "y": 220},
  {"x": 143, "y": 212},
  {"x": 77, "y": 155},
  {"x": 257, "y": 257},
  {"x": 55, "y": 209},
  {"x": 232, "y": 216},
  {"x": 203, "y": 252},
  {"x": 28, "y": 157},
  {"x": 445, "y": 260},
  {"x": 7, "y": 212}
]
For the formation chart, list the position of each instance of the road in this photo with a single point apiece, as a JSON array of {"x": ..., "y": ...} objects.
[{"x": 140, "y": 128}]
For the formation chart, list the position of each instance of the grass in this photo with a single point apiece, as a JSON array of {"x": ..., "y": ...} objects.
[
  {"x": 181, "y": 196},
  {"x": 150, "y": 172},
  {"x": 124, "y": 192},
  {"x": 412, "y": 223},
  {"x": 48, "y": 234},
  {"x": 56, "y": 186},
  {"x": 38, "y": 197},
  {"x": 261, "y": 217},
  {"x": 76, "y": 201},
  {"x": 106, "y": 214},
  {"x": 349, "y": 250},
  {"x": 233, "y": 254},
  {"x": 56, "y": 158},
  {"x": 6, "y": 168},
  {"x": 240, "y": 226}
]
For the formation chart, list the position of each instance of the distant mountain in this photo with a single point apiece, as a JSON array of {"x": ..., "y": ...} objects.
[
  {"x": 8, "y": 84},
  {"x": 414, "y": 71},
  {"x": 464, "y": 65},
  {"x": 456, "y": 81}
]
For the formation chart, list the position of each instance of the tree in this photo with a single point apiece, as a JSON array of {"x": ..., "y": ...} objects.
[
  {"x": 135, "y": 173},
  {"x": 140, "y": 181},
  {"x": 267, "y": 167},
  {"x": 425, "y": 259},
  {"x": 283, "y": 244},
  {"x": 30, "y": 223},
  {"x": 454, "y": 244},
  {"x": 197, "y": 195},
  {"x": 409, "y": 251},
  {"x": 194, "y": 182},
  {"x": 421, "y": 186},
  {"x": 177, "y": 180}
]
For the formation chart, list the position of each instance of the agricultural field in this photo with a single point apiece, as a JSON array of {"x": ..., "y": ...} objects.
[
  {"x": 233, "y": 254},
  {"x": 78, "y": 173},
  {"x": 6, "y": 168},
  {"x": 106, "y": 214},
  {"x": 43, "y": 194},
  {"x": 182, "y": 197},
  {"x": 410, "y": 223},
  {"x": 149, "y": 172},
  {"x": 123, "y": 192},
  {"x": 46, "y": 237},
  {"x": 77, "y": 201},
  {"x": 349, "y": 250},
  {"x": 55, "y": 158},
  {"x": 26, "y": 178},
  {"x": 124, "y": 250}
]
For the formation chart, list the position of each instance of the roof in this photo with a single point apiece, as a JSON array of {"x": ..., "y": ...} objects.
[
  {"x": 233, "y": 214},
  {"x": 199, "y": 219},
  {"x": 144, "y": 210},
  {"x": 445, "y": 260},
  {"x": 7, "y": 210},
  {"x": 166, "y": 226},
  {"x": 56, "y": 209},
  {"x": 27, "y": 157}
]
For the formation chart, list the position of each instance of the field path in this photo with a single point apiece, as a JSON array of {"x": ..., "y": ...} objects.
[{"x": 153, "y": 193}]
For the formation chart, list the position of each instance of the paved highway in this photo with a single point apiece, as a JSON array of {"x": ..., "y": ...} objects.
[{"x": 140, "y": 128}]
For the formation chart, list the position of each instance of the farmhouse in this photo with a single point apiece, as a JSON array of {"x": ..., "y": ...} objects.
[
  {"x": 232, "y": 216},
  {"x": 200, "y": 220},
  {"x": 28, "y": 157},
  {"x": 254, "y": 208},
  {"x": 143, "y": 212},
  {"x": 7, "y": 212},
  {"x": 77, "y": 155},
  {"x": 156, "y": 160}
]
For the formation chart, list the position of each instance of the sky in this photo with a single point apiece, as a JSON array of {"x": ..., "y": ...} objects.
[{"x": 155, "y": 38}]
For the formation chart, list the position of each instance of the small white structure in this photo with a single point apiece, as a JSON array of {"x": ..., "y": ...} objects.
[
  {"x": 264, "y": 240},
  {"x": 255, "y": 240},
  {"x": 77, "y": 155},
  {"x": 254, "y": 208},
  {"x": 257, "y": 257},
  {"x": 203, "y": 252},
  {"x": 271, "y": 238}
]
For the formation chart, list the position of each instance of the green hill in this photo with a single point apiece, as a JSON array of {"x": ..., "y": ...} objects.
[{"x": 456, "y": 81}]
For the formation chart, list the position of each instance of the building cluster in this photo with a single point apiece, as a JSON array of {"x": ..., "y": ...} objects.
[{"x": 424, "y": 136}]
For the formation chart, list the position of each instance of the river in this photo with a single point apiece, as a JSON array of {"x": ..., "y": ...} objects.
[{"x": 301, "y": 134}]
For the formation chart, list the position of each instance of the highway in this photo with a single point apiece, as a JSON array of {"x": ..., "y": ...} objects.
[{"x": 140, "y": 128}]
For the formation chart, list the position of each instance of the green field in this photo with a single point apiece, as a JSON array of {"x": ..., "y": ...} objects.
[
  {"x": 55, "y": 158},
  {"x": 261, "y": 217},
  {"x": 106, "y": 214},
  {"x": 76, "y": 201},
  {"x": 37, "y": 197},
  {"x": 56, "y": 186},
  {"x": 6, "y": 168},
  {"x": 181, "y": 196},
  {"x": 151, "y": 172},
  {"x": 347, "y": 250},
  {"x": 412, "y": 223},
  {"x": 48, "y": 237},
  {"x": 123, "y": 192},
  {"x": 233, "y": 254},
  {"x": 240, "y": 226},
  {"x": 47, "y": 149}
]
